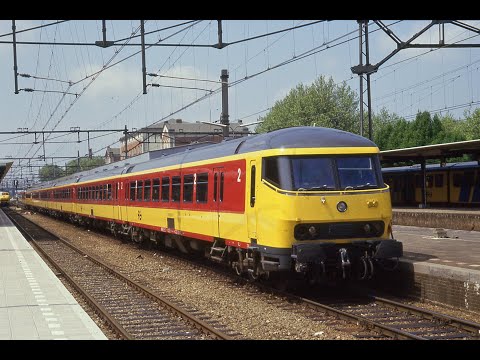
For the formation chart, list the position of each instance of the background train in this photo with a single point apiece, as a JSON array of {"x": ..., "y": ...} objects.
[
  {"x": 302, "y": 200},
  {"x": 4, "y": 198},
  {"x": 454, "y": 184}
]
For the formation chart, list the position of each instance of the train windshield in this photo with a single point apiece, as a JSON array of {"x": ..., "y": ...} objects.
[{"x": 318, "y": 173}]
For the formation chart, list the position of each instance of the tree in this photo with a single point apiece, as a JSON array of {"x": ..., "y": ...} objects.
[
  {"x": 471, "y": 125},
  {"x": 73, "y": 167},
  {"x": 50, "y": 172},
  {"x": 323, "y": 103}
]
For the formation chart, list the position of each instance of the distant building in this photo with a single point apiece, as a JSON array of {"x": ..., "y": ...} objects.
[
  {"x": 175, "y": 132},
  {"x": 112, "y": 155}
]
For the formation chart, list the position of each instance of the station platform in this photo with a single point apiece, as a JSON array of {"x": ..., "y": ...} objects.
[
  {"x": 34, "y": 304},
  {"x": 439, "y": 264}
]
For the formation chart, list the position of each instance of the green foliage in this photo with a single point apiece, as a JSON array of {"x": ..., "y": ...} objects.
[
  {"x": 471, "y": 126},
  {"x": 73, "y": 166},
  {"x": 50, "y": 172},
  {"x": 323, "y": 103}
]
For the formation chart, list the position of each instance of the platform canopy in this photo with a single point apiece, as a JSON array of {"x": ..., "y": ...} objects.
[
  {"x": 4, "y": 167},
  {"x": 437, "y": 151}
]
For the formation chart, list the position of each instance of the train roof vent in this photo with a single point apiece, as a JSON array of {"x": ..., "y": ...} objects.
[{"x": 129, "y": 169}]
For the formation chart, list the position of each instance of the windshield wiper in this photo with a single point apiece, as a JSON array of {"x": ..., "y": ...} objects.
[
  {"x": 313, "y": 188},
  {"x": 366, "y": 186}
]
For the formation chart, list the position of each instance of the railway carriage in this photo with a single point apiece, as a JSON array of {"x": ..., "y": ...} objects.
[
  {"x": 4, "y": 198},
  {"x": 453, "y": 184},
  {"x": 305, "y": 200}
]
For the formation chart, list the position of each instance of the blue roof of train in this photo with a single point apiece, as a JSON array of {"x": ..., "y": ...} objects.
[{"x": 292, "y": 137}]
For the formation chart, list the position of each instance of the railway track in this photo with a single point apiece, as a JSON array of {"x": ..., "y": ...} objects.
[
  {"x": 367, "y": 316},
  {"x": 131, "y": 310},
  {"x": 395, "y": 319}
]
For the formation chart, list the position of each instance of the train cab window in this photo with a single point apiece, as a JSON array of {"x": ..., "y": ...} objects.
[
  {"x": 271, "y": 170},
  {"x": 156, "y": 190},
  {"x": 187, "y": 188},
  {"x": 438, "y": 180},
  {"x": 176, "y": 183},
  {"x": 132, "y": 190},
  {"x": 140, "y": 190},
  {"x": 165, "y": 189},
  {"x": 202, "y": 188},
  {"x": 147, "y": 190},
  {"x": 215, "y": 183}
]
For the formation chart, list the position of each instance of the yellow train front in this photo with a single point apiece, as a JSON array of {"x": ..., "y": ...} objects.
[
  {"x": 322, "y": 207},
  {"x": 4, "y": 198}
]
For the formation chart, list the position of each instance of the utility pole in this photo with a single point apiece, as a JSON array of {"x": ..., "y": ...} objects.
[
  {"x": 15, "y": 56},
  {"x": 224, "y": 117},
  {"x": 144, "y": 68},
  {"x": 125, "y": 140}
]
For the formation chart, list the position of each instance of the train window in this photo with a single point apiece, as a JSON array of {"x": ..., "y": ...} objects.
[
  {"x": 202, "y": 188},
  {"x": 469, "y": 177},
  {"x": 418, "y": 181},
  {"x": 105, "y": 192},
  {"x": 109, "y": 191},
  {"x": 438, "y": 180},
  {"x": 176, "y": 183},
  {"x": 457, "y": 179},
  {"x": 140, "y": 190},
  {"x": 215, "y": 182},
  {"x": 271, "y": 170},
  {"x": 97, "y": 193},
  {"x": 221, "y": 186},
  {"x": 156, "y": 189},
  {"x": 252, "y": 187},
  {"x": 146, "y": 192},
  {"x": 132, "y": 190},
  {"x": 187, "y": 188},
  {"x": 429, "y": 180},
  {"x": 165, "y": 189}
]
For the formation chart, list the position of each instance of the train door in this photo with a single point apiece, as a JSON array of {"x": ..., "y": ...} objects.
[
  {"x": 218, "y": 187},
  {"x": 127, "y": 188},
  {"x": 115, "y": 200},
  {"x": 252, "y": 212}
]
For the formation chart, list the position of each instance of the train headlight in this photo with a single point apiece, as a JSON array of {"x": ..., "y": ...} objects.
[
  {"x": 342, "y": 206},
  {"x": 312, "y": 230},
  {"x": 367, "y": 228}
]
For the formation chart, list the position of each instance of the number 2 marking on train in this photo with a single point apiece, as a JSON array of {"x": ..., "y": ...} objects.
[{"x": 239, "y": 174}]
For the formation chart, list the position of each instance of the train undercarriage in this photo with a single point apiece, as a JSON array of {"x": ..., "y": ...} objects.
[{"x": 315, "y": 262}]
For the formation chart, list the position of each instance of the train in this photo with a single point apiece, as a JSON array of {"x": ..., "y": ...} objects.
[
  {"x": 301, "y": 201},
  {"x": 455, "y": 184},
  {"x": 4, "y": 198}
]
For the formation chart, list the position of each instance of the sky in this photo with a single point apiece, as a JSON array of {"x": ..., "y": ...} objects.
[{"x": 95, "y": 88}]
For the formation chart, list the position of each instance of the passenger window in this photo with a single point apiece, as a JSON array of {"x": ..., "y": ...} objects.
[
  {"x": 140, "y": 190},
  {"x": 156, "y": 190},
  {"x": 132, "y": 191},
  {"x": 188, "y": 188},
  {"x": 176, "y": 183},
  {"x": 146, "y": 193},
  {"x": 165, "y": 189},
  {"x": 202, "y": 188}
]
